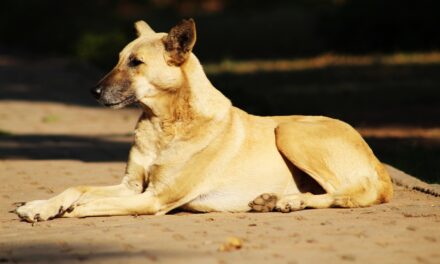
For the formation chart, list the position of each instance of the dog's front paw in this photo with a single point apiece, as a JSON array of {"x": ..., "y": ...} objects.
[{"x": 39, "y": 210}]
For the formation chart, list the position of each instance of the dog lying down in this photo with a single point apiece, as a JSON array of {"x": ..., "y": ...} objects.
[{"x": 194, "y": 150}]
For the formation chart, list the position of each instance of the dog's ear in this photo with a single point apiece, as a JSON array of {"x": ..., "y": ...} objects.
[
  {"x": 142, "y": 28},
  {"x": 180, "y": 42}
]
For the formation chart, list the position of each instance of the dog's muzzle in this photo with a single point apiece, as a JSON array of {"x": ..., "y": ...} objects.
[{"x": 113, "y": 99}]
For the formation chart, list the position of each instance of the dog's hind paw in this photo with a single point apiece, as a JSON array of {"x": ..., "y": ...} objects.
[
  {"x": 290, "y": 204},
  {"x": 264, "y": 203}
]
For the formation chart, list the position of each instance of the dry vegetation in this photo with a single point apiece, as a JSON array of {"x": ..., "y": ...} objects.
[{"x": 323, "y": 61}]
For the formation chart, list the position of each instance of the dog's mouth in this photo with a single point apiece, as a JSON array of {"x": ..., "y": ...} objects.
[{"x": 121, "y": 104}]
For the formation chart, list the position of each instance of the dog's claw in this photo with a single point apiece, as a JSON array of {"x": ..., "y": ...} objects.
[
  {"x": 61, "y": 211},
  {"x": 37, "y": 218},
  {"x": 70, "y": 209},
  {"x": 18, "y": 204},
  {"x": 26, "y": 219}
]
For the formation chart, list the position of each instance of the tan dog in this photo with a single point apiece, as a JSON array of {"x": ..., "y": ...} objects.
[{"x": 194, "y": 150}]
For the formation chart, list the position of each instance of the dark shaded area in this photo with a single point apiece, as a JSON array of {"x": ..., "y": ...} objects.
[
  {"x": 36, "y": 78},
  {"x": 57, "y": 147},
  {"x": 362, "y": 95},
  {"x": 68, "y": 252},
  {"x": 416, "y": 156},
  {"x": 96, "y": 30},
  {"x": 303, "y": 180}
]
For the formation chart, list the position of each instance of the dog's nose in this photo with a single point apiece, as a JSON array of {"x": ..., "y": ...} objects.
[{"x": 96, "y": 91}]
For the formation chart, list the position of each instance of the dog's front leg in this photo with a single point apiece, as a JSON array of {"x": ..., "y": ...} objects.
[
  {"x": 41, "y": 210},
  {"x": 138, "y": 204}
]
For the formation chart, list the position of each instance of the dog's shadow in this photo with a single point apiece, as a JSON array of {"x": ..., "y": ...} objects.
[{"x": 55, "y": 147}]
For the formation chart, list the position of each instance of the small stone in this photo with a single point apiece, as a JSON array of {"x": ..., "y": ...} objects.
[
  {"x": 231, "y": 244},
  {"x": 411, "y": 228},
  {"x": 348, "y": 257}
]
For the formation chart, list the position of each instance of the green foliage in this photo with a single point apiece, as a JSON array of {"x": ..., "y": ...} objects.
[{"x": 100, "y": 48}]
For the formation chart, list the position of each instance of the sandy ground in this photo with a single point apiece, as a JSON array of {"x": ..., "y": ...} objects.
[
  {"x": 407, "y": 230},
  {"x": 47, "y": 146}
]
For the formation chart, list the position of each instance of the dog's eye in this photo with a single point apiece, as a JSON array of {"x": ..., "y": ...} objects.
[{"x": 135, "y": 62}]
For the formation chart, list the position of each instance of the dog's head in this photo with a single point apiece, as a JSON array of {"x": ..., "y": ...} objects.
[{"x": 148, "y": 66}]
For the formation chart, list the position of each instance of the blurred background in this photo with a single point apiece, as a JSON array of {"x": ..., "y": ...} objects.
[{"x": 372, "y": 63}]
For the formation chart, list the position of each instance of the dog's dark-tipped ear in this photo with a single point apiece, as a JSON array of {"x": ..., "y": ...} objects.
[{"x": 180, "y": 41}]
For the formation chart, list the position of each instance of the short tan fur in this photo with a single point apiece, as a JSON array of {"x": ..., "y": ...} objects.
[{"x": 196, "y": 151}]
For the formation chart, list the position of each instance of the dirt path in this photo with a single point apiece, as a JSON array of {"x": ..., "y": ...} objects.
[{"x": 47, "y": 146}]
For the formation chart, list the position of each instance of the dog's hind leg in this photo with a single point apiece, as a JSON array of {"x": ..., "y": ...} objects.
[
  {"x": 270, "y": 202},
  {"x": 337, "y": 158},
  {"x": 294, "y": 202}
]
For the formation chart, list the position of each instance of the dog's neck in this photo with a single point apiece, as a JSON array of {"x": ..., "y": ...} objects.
[
  {"x": 196, "y": 98},
  {"x": 196, "y": 101},
  {"x": 205, "y": 99}
]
